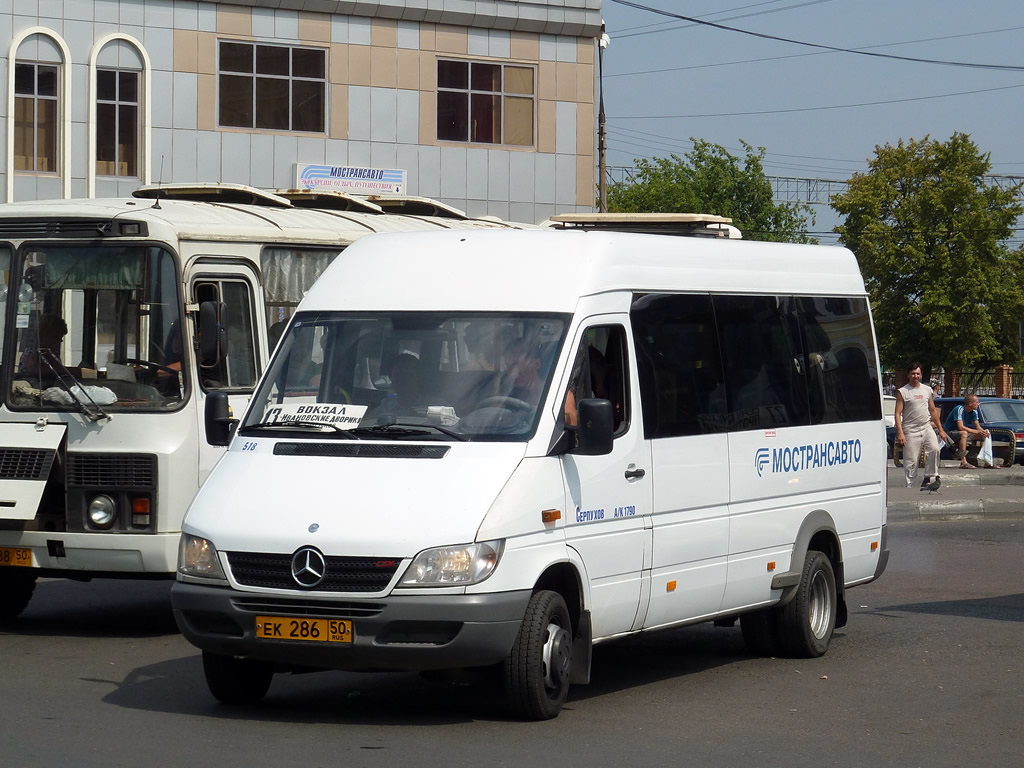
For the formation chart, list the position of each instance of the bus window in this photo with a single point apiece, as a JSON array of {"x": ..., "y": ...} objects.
[{"x": 234, "y": 367}]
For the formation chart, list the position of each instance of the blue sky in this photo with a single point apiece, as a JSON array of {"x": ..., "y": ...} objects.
[{"x": 666, "y": 80}]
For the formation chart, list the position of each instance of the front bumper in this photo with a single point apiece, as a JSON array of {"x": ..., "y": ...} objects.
[{"x": 415, "y": 633}]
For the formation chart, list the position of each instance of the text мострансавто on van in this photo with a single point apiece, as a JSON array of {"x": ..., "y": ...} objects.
[{"x": 609, "y": 433}]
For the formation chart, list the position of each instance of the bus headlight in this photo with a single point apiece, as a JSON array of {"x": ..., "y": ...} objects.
[
  {"x": 198, "y": 557},
  {"x": 102, "y": 511},
  {"x": 459, "y": 565}
]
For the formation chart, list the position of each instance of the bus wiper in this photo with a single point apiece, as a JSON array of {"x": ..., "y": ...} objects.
[
  {"x": 300, "y": 424},
  {"x": 76, "y": 391},
  {"x": 400, "y": 428}
]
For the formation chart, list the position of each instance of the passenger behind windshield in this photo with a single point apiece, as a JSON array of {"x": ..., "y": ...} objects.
[{"x": 38, "y": 354}]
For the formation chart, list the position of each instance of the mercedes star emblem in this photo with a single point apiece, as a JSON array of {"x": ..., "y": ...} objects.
[{"x": 308, "y": 567}]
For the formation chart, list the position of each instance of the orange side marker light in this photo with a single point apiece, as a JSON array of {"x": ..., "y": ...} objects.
[{"x": 550, "y": 515}]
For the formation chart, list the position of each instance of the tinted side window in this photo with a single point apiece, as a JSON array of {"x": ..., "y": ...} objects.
[
  {"x": 839, "y": 359},
  {"x": 761, "y": 354},
  {"x": 680, "y": 369}
]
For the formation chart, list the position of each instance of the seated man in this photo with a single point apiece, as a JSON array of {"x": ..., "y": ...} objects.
[
  {"x": 50, "y": 332},
  {"x": 405, "y": 388},
  {"x": 964, "y": 423}
]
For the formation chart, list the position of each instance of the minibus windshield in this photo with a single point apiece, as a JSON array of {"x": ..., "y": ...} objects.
[
  {"x": 410, "y": 375},
  {"x": 95, "y": 329}
]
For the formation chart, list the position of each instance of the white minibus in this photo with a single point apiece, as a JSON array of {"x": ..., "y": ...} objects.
[
  {"x": 119, "y": 317},
  {"x": 493, "y": 450}
]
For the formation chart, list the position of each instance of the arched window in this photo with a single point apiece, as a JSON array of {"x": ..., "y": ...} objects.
[
  {"x": 38, "y": 83},
  {"x": 119, "y": 125}
]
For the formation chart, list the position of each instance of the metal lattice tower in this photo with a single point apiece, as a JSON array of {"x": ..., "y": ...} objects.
[{"x": 793, "y": 189}]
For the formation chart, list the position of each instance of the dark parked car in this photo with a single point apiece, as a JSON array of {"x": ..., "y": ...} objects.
[{"x": 1000, "y": 415}]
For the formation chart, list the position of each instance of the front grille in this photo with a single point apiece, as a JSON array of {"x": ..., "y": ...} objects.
[
  {"x": 25, "y": 463},
  {"x": 343, "y": 574},
  {"x": 111, "y": 470},
  {"x": 364, "y": 450},
  {"x": 327, "y": 609}
]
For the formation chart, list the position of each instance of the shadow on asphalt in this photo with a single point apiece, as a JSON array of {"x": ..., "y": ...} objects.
[
  {"x": 177, "y": 686},
  {"x": 98, "y": 608},
  {"x": 1001, "y": 608}
]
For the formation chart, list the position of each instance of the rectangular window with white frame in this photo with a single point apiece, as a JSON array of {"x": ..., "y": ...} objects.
[
  {"x": 272, "y": 87},
  {"x": 36, "y": 115},
  {"x": 485, "y": 102},
  {"x": 117, "y": 122}
]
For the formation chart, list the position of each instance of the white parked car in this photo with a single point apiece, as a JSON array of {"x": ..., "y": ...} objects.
[{"x": 889, "y": 410}]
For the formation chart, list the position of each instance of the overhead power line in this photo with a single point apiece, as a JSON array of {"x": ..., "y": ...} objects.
[
  {"x": 821, "y": 46},
  {"x": 631, "y": 33},
  {"x": 803, "y": 55},
  {"x": 814, "y": 109}
]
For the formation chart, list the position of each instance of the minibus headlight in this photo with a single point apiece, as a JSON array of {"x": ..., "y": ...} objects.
[
  {"x": 459, "y": 565},
  {"x": 198, "y": 557}
]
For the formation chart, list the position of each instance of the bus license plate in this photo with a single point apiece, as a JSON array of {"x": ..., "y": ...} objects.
[
  {"x": 16, "y": 556},
  {"x": 314, "y": 630}
]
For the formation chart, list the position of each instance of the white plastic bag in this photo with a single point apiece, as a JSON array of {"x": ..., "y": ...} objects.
[{"x": 985, "y": 454}]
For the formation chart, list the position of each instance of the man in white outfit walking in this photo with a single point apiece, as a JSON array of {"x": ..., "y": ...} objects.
[{"x": 917, "y": 418}]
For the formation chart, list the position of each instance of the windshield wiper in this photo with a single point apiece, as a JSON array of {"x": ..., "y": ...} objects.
[
  {"x": 403, "y": 428},
  {"x": 75, "y": 389},
  {"x": 299, "y": 424}
]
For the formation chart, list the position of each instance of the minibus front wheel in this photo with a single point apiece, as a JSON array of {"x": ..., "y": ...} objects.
[
  {"x": 537, "y": 668},
  {"x": 236, "y": 681},
  {"x": 806, "y": 622}
]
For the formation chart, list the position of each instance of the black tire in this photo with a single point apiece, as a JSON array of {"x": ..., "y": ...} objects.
[
  {"x": 761, "y": 632},
  {"x": 236, "y": 681},
  {"x": 806, "y": 623},
  {"x": 16, "y": 588},
  {"x": 536, "y": 672}
]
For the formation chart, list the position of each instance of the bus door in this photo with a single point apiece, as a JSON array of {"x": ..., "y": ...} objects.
[{"x": 225, "y": 303}]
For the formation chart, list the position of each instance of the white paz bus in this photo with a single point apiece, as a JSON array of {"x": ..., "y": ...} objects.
[
  {"x": 119, "y": 317},
  {"x": 450, "y": 466}
]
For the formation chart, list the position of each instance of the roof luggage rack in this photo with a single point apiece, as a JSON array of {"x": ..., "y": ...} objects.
[
  {"x": 687, "y": 224},
  {"x": 411, "y": 205},
  {"x": 328, "y": 199},
  {"x": 212, "y": 192}
]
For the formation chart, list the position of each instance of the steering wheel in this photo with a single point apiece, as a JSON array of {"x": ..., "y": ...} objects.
[
  {"x": 513, "y": 404},
  {"x": 152, "y": 365}
]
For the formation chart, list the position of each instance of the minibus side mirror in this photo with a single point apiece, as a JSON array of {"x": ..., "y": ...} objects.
[
  {"x": 220, "y": 427},
  {"x": 596, "y": 427},
  {"x": 212, "y": 333}
]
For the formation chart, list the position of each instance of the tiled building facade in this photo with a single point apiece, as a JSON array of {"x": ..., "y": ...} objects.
[{"x": 487, "y": 105}]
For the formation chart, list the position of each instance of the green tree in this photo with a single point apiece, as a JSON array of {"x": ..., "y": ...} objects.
[
  {"x": 710, "y": 180},
  {"x": 929, "y": 233}
]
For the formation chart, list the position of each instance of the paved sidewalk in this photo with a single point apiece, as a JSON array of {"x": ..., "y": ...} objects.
[{"x": 965, "y": 494}]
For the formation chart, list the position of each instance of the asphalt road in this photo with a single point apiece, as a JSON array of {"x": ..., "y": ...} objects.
[{"x": 927, "y": 673}]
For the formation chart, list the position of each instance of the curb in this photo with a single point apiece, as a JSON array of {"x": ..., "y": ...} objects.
[{"x": 978, "y": 509}]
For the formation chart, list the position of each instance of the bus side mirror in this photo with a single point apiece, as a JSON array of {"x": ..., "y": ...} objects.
[
  {"x": 220, "y": 427},
  {"x": 596, "y": 427},
  {"x": 212, "y": 333}
]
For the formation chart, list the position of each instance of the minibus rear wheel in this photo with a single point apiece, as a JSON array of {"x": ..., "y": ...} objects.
[
  {"x": 536, "y": 672},
  {"x": 236, "y": 681},
  {"x": 16, "y": 588},
  {"x": 807, "y": 621}
]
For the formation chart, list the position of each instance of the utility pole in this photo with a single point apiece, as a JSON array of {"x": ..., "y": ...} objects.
[{"x": 602, "y": 181}]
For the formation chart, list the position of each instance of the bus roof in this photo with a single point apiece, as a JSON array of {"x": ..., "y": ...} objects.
[{"x": 190, "y": 216}]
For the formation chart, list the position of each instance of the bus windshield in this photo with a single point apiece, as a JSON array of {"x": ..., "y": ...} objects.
[
  {"x": 422, "y": 375},
  {"x": 94, "y": 326}
]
